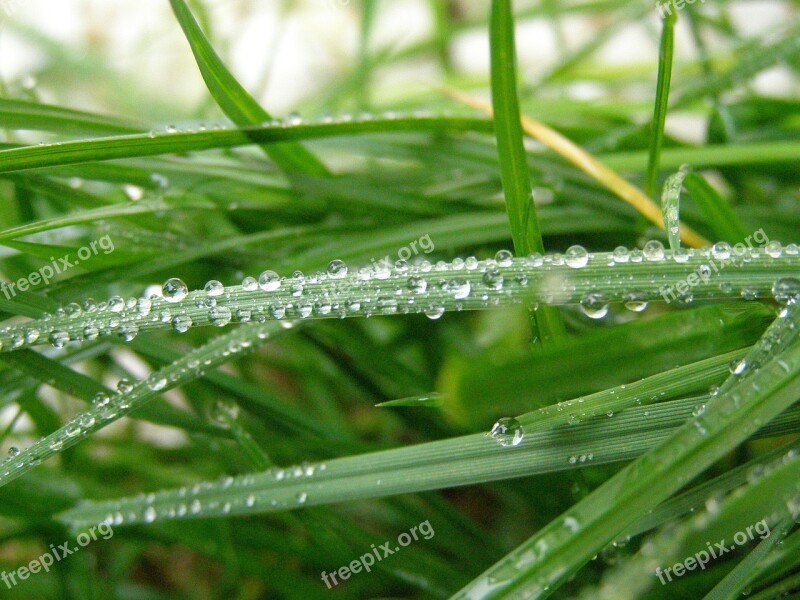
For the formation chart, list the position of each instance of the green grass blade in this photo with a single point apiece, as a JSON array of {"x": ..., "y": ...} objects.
[
  {"x": 234, "y": 100},
  {"x": 525, "y": 232},
  {"x": 662, "y": 101}
]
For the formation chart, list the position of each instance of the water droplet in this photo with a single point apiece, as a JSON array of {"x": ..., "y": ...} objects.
[
  {"x": 504, "y": 258},
  {"x": 576, "y": 257},
  {"x": 434, "y": 311},
  {"x": 214, "y": 288},
  {"x": 156, "y": 382},
  {"x": 124, "y": 386},
  {"x": 507, "y": 432},
  {"x": 13, "y": 451},
  {"x": 721, "y": 251},
  {"x": 493, "y": 279},
  {"x": 594, "y": 305},
  {"x": 249, "y": 284},
  {"x": 737, "y": 366},
  {"x": 774, "y": 249},
  {"x": 417, "y": 284},
  {"x": 174, "y": 290},
  {"x": 220, "y": 315},
  {"x": 133, "y": 192},
  {"x": 149, "y": 514},
  {"x": 269, "y": 281},
  {"x": 653, "y": 250},
  {"x": 302, "y": 497},
  {"x": 459, "y": 287},
  {"x": 59, "y": 338},
  {"x": 182, "y": 323},
  {"x": 337, "y": 269},
  {"x": 621, "y": 254},
  {"x": 786, "y": 290}
]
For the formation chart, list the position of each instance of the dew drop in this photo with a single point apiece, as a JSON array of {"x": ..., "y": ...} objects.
[
  {"x": 269, "y": 281},
  {"x": 182, "y": 323},
  {"x": 214, "y": 288},
  {"x": 774, "y": 249},
  {"x": 149, "y": 514},
  {"x": 653, "y": 250},
  {"x": 249, "y": 284},
  {"x": 576, "y": 257},
  {"x": 504, "y": 258},
  {"x": 174, "y": 290},
  {"x": 721, "y": 251},
  {"x": 434, "y": 311},
  {"x": 337, "y": 269},
  {"x": 507, "y": 432},
  {"x": 59, "y": 338},
  {"x": 786, "y": 290},
  {"x": 493, "y": 279},
  {"x": 220, "y": 315},
  {"x": 133, "y": 192},
  {"x": 594, "y": 305},
  {"x": 13, "y": 451}
]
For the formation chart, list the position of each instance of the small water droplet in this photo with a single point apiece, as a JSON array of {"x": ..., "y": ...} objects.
[
  {"x": 721, "y": 251},
  {"x": 786, "y": 290}
]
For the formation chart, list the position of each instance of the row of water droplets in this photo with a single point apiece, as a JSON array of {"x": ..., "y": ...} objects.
[
  {"x": 129, "y": 396},
  {"x": 402, "y": 288},
  {"x": 296, "y": 120},
  {"x": 229, "y": 495}
]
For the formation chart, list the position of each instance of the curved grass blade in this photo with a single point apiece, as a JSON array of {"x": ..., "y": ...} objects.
[
  {"x": 671, "y": 206},
  {"x": 234, "y": 100}
]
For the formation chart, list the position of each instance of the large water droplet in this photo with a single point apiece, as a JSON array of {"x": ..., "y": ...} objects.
[
  {"x": 507, "y": 432},
  {"x": 337, "y": 269},
  {"x": 214, "y": 288},
  {"x": 174, "y": 290},
  {"x": 576, "y": 257},
  {"x": 269, "y": 281},
  {"x": 653, "y": 250},
  {"x": 504, "y": 258},
  {"x": 594, "y": 305}
]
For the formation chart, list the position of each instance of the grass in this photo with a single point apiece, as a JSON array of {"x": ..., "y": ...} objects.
[{"x": 287, "y": 342}]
